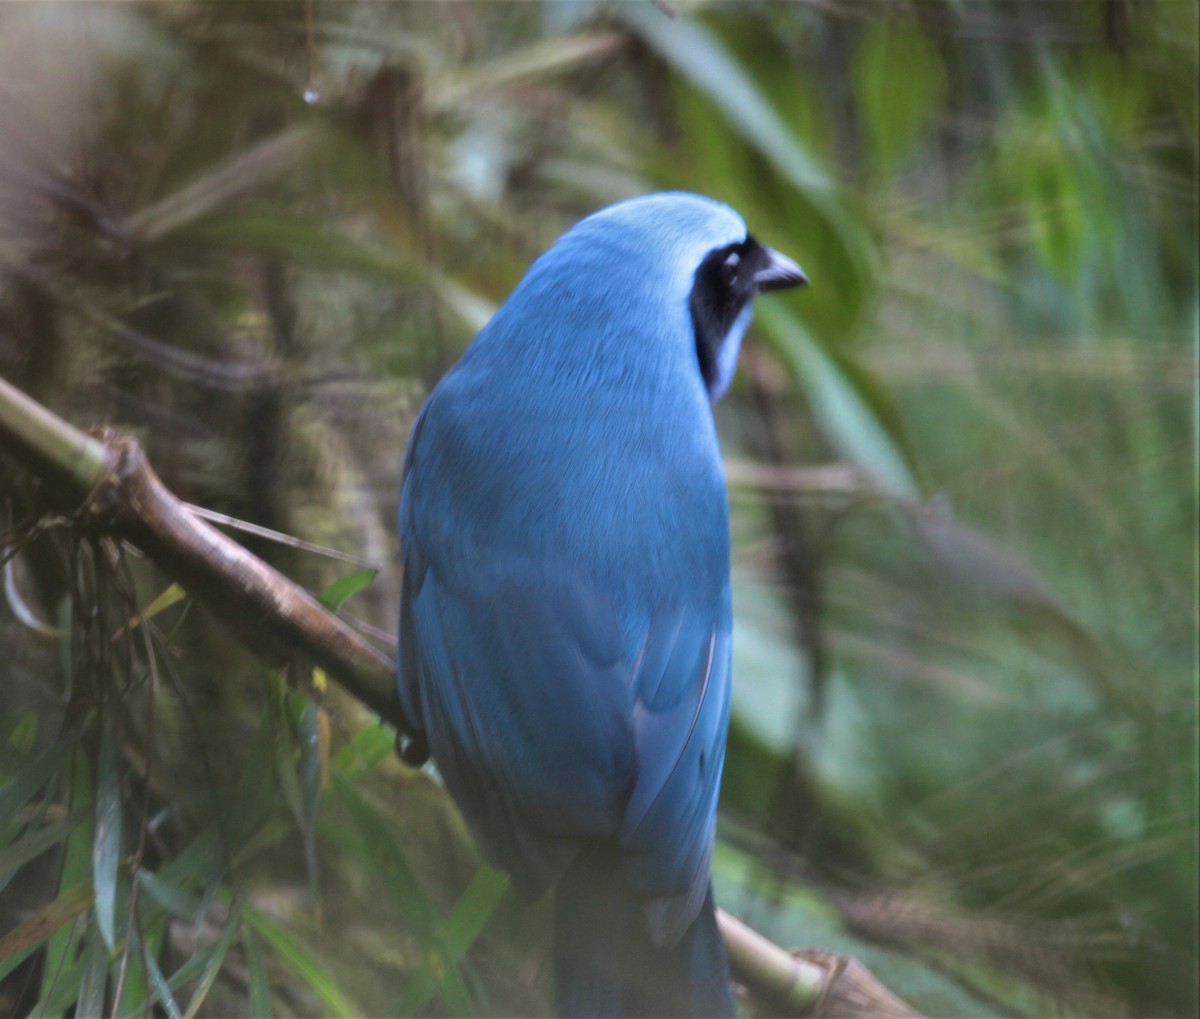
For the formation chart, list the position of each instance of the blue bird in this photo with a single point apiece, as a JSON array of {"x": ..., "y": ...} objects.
[{"x": 565, "y": 621}]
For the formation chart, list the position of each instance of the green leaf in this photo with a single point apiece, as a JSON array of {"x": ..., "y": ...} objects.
[
  {"x": 696, "y": 54},
  {"x": 308, "y": 242},
  {"x": 473, "y": 910},
  {"x": 899, "y": 82},
  {"x": 542, "y": 58},
  {"x": 16, "y": 945},
  {"x": 312, "y": 750},
  {"x": 336, "y": 593},
  {"x": 20, "y": 731},
  {"x": 373, "y": 743},
  {"x": 95, "y": 977},
  {"x": 260, "y": 984},
  {"x": 62, "y": 948},
  {"x": 25, "y": 782},
  {"x": 302, "y": 962},
  {"x": 205, "y": 965},
  {"x": 456, "y": 935},
  {"x": 36, "y": 842},
  {"x": 840, "y": 404},
  {"x": 220, "y": 185},
  {"x": 136, "y": 989},
  {"x": 106, "y": 849},
  {"x": 380, "y": 850},
  {"x": 173, "y": 899},
  {"x": 162, "y": 990}
]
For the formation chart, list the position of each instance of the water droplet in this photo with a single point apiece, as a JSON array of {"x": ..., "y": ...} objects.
[{"x": 311, "y": 96}]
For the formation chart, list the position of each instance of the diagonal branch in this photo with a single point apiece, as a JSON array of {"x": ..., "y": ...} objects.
[{"x": 122, "y": 495}]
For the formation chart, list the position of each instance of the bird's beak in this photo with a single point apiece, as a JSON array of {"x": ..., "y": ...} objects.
[{"x": 779, "y": 273}]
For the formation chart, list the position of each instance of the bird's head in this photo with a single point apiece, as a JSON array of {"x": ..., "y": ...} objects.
[
  {"x": 673, "y": 264},
  {"x": 692, "y": 251}
]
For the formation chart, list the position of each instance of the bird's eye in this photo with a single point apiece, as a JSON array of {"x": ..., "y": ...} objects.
[{"x": 732, "y": 261}]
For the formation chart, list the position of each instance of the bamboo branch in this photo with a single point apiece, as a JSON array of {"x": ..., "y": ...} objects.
[
  {"x": 266, "y": 610},
  {"x": 123, "y": 496}
]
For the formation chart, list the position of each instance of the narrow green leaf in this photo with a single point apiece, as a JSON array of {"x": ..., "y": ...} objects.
[
  {"x": 20, "y": 732},
  {"x": 458, "y": 932},
  {"x": 173, "y": 899},
  {"x": 162, "y": 992},
  {"x": 473, "y": 910},
  {"x": 36, "y": 842},
  {"x": 311, "y": 768},
  {"x": 336, "y": 593},
  {"x": 437, "y": 977},
  {"x": 16, "y": 945},
  {"x": 95, "y": 977},
  {"x": 539, "y": 59},
  {"x": 137, "y": 992},
  {"x": 222, "y": 184},
  {"x": 842, "y": 410},
  {"x": 208, "y": 962},
  {"x": 62, "y": 948},
  {"x": 306, "y": 241},
  {"x": 260, "y": 984},
  {"x": 171, "y": 596},
  {"x": 302, "y": 962},
  {"x": 373, "y": 743},
  {"x": 189, "y": 866},
  {"x": 895, "y": 116},
  {"x": 25, "y": 782},
  {"x": 697, "y": 54},
  {"x": 381, "y": 851},
  {"x": 106, "y": 849}
]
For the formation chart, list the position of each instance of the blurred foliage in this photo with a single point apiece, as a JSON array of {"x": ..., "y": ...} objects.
[{"x": 962, "y": 463}]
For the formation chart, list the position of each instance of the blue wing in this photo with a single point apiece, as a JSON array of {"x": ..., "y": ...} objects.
[{"x": 565, "y": 694}]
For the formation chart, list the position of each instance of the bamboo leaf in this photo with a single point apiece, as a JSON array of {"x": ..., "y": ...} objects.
[
  {"x": 205, "y": 965},
  {"x": 539, "y": 59},
  {"x": 106, "y": 849},
  {"x": 696, "y": 53},
  {"x": 222, "y": 184},
  {"x": 158, "y": 983},
  {"x": 896, "y": 117},
  {"x": 260, "y": 984},
  {"x": 372, "y": 743},
  {"x": 455, "y": 936},
  {"x": 313, "y": 750},
  {"x": 172, "y": 898},
  {"x": 62, "y": 947},
  {"x": 16, "y": 945},
  {"x": 27, "y": 780},
  {"x": 302, "y": 962},
  {"x": 335, "y": 595},
  {"x": 381, "y": 851},
  {"x": 34, "y": 843},
  {"x": 472, "y": 911},
  {"x": 841, "y": 406},
  {"x": 171, "y": 596},
  {"x": 20, "y": 730},
  {"x": 95, "y": 977}
]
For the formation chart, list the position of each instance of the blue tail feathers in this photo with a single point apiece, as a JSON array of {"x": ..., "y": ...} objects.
[{"x": 606, "y": 964}]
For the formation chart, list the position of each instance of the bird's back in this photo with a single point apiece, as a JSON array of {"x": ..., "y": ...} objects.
[{"x": 565, "y": 621}]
